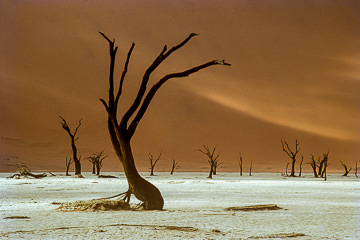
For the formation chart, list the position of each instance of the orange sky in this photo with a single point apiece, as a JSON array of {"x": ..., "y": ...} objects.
[{"x": 295, "y": 74}]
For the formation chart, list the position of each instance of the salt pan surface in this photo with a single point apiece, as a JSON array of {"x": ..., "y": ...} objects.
[{"x": 195, "y": 208}]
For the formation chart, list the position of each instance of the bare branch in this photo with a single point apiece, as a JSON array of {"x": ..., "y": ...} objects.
[
  {"x": 77, "y": 128},
  {"x": 123, "y": 76},
  {"x": 160, "y": 58},
  {"x": 157, "y": 86}
]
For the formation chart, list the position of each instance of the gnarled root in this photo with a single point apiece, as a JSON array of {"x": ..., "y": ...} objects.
[{"x": 127, "y": 196}]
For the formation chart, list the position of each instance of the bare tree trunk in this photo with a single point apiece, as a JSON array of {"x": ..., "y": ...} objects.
[
  {"x": 174, "y": 166},
  {"x": 98, "y": 168},
  {"x": 211, "y": 171},
  {"x": 324, "y": 164},
  {"x": 93, "y": 168},
  {"x": 241, "y": 165},
  {"x": 301, "y": 162},
  {"x": 313, "y": 165},
  {"x": 345, "y": 168},
  {"x": 250, "y": 168},
  {"x": 153, "y": 162},
  {"x": 286, "y": 172},
  {"x": 76, "y": 160},
  {"x": 212, "y": 159},
  {"x": 291, "y": 154},
  {"x": 216, "y": 164},
  {"x": 68, "y": 163},
  {"x": 122, "y": 132}
]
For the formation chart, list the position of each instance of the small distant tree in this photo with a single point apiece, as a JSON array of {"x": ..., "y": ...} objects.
[
  {"x": 216, "y": 164},
  {"x": 212, "y": 157},
  {"x": 241, "y": 165},
  {"x": 97, "y": 159},
  {"x": 300, "y": 167},
  {"x": 153, "y": 162},
  {"x": 286, "y": 169},
  {"x": 314, "y": 165},
  {"x": 73, "y": 138},
  {"x": 292, "y": 154},
  {"x": 93, "y": 163},
  {"x": 325, "y": 160},
  {"x": 345, "y": 169},
  {"x": 250, "y": 168},
  {"x": 175, "y": 165},
  {"x": 320, "y": 165},
  {"x": 67, "y": 164}
]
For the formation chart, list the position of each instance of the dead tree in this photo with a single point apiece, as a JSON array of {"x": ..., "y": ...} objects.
[
  {"x": 250, "y": 168},
  {"x": 286, "y": 169},
  {"x": 356, "y": 168},
  {"x": 345, "y": 169},
  {"x": 175, "y": 165},
  {"x": 153, "y": 162},
  {"x": 68, "y": 162},
  {"x": 216, "y": 164},
  {"x": 96, "y": 159},
  {"x": 73, "y": 146},
  {"x": 324, "y": 161},
  {"x": 122, "y": 131},
  {"x": 26, "y": 173},
  {"x": 241, "y": 165},
  {"x": 292, "y": 154},
  {"x": 92, "y": 160},
  {"x": 212, "y": 158},
  {"x": 314, "y": 165},
  {"x": 300, "y": 166}
]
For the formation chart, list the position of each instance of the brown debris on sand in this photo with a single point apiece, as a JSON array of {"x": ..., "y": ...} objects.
[
  {"x": 280, "y": 235},
  {"x": 263, "y": 207},
  {"x": 95, "y": 205},
  {"x": 17, "y": 217}
]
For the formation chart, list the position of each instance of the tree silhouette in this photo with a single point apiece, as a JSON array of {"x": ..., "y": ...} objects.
[
  {"x": 96, "y": 159},
  {"x": 175, "y": 165},
  {"x": 121, "y": 132},
  {"x": 241, "y": 165},
  {"x": 346, "y": 169},
  {"x": 212, "y": 157},
  {"x": 292, "y": 154},
  {"x": 153, "y": 162},
  {"x": 73, "y": 138},
  {"x": 67, "y": 164}
]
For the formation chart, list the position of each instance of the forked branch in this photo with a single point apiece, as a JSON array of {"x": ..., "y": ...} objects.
[{"x": 157, "y": 86}]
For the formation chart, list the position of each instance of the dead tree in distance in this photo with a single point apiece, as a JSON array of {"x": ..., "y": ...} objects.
[
  {"x": 241, "y": 165},
  {"x": 250, "y": 168},
  {"x": 96, "y": 159},
  {"x": 320, "y": 165},
  {"x": 122, "y": 131},
  {"x": 314, "y": 165},
  {"x": 68, "y": 162},
  {"x": 175, "y": 165},
  {"x": 345, "y": 169},
  {"x": 212, "y": 157},
  {"x": 92, "y": 160},
  {"x": 300, "y": 166},
  {"x": 286, "y": 169},
  {"x": 292, "y": 154},
  {"x": 325, "y": 160},
  {"x": 153, "y": 162},
  {"x": 216, "y": 164},
  {"x": 356, "y": 168},
  {"x": 73, "y": 146}
]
